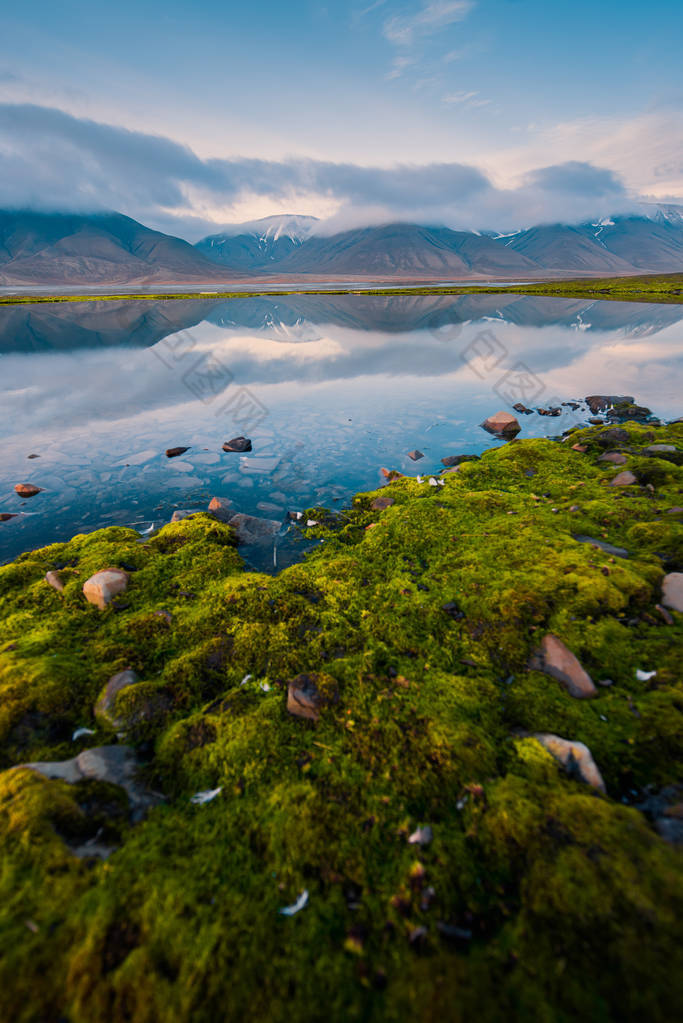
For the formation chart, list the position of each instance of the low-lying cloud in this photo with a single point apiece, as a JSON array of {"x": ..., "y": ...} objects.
[{"x": 52, "y": 160}]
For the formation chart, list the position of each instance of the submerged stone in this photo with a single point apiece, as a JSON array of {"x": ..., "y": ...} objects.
[{"x": 252, "y": 531}]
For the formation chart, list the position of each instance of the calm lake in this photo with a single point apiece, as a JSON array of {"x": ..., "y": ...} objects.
[{"x": 328, "y": 388}]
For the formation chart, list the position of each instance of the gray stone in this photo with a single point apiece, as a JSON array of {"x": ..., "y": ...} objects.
[
  {"x": 659, "y": 449},
  {"x": 252, "y": 531},
  {"x": 672, "y": 591},
  {"x": 114, "y": 764},
  {"x": 101, "y": 588},
  {"x": 608, "y": 548},
  {"x": 238, "y": 444},
  {"x": 179, "y": 514},
  {"x": 575, "y": 757},
  {"x": 104, "y": 708},
  {"x": 53, "y": 579},
  {"x": 555, "y": 659},
  {"x": 600, "y": 402}
]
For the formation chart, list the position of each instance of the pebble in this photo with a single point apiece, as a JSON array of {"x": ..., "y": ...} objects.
[
  {"x": 102, "y": 587},
  {"x": 624, "y": 479},
  {"x": 575, "y": 757},
  {"x": 54, "y": 581},
  {"x": 555, "y": 659},
  {"x": 672, "y": 591},
  {"x": 174, "y": 452}
]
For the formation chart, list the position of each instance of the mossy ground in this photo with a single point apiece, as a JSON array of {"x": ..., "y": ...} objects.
[{"x": 538, "y": 899}]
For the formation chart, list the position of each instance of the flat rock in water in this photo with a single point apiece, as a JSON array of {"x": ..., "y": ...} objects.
[
  {"x": 555, "y": 659},
  {"x": 503, "y": 424},
  {"x": 522, "y": 409},
  {"x": 237, "y": 444},
  {"x": 416, "y": 455},
  {"x": 101, "y": 588},
  {"x": 221, "y": 509},
  {"x": 6, "y": 516},
  {"x": 27, "y": 490},
  {"x": 600, "y": 402},
  {"x": 614, "y": 458},
  {"x": 575, "y": 757},
  {"x": 174, "y": 452},
  {"x": 672, "y": 591},
  {"x": 624, "y": 479},
  {"x": 252, "y": 530},
  {"x": 104, "y": 708}
]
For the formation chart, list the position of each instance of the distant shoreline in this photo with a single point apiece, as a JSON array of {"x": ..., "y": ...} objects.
[{"x": 660, "y": 288}]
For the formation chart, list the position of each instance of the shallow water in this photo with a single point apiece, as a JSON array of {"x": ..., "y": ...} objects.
[{"x": 329, "y": 389}]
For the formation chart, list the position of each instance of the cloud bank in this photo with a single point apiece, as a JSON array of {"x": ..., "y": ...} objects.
[{"x": 52, "y": 160}]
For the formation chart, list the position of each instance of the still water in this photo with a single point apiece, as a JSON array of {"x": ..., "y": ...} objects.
[{"x": 328, "y": 388}]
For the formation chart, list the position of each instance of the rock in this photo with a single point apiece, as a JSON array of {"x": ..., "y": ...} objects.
[
  {"x": 522, "y": 409},
  {"x": 415, "y": 455},
  {"x": 421, "y": 836},
  {"x": 252, "y": 531},
  {"x": 625, "y": 410},
  {"x": 221, "y": 508},
  {"x": 54, "y": 581},
  {"x": 596, "y": 421},
  {"x": 672, "y": 591},
  {"x": 33, "y": 456},
  {"x": 309, "y": 694},
  {"x": 104, "y": 708},
  {"x": 102, "y": 587},
  {"x": 391, "y": 474},
  {"x": 114, "y": 764},
  {"x": 614, "y": 458},
  {"x": 179, "y": 514},
  {"x": 581, "y": 448},
  {"x": 612, "y": 437},
  {"x": 380, "y": 503},
  {"x": 676, "y": 510},
  {"x": 6, "y": 516},
  {"x": 667, "y": 452},
  {"x": 452, "y": 460},
  {"x": 174, "y": 452},
  {"x": 502, "y": 423},
  {"x": 237, "y": 444},
  {"x": 549, "y": 411},
  {"x": 608, "y": 548},
  {"x": 600, "y": 402},
  {"x": 624, "y": 479},
  {"x": 27, "y": 490},
  {"x": 575, "y": 757},
  {"x": 555, "y": 659}
]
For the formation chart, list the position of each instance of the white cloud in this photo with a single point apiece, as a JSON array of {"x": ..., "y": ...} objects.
[
  {"x": 469, "y": 100},
  {"x": 403, "y": 30}
]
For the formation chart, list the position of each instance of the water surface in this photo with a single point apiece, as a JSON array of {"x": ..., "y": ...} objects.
[{"x": 329, "y": 389}]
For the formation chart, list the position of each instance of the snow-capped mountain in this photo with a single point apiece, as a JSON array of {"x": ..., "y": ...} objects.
[{"x": 257, "y": 243}]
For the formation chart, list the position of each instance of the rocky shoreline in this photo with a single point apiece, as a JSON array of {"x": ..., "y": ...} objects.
[{"x": 432, "y": 771}]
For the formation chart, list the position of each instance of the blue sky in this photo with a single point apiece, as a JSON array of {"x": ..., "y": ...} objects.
[{"x": 505, "y": 86}]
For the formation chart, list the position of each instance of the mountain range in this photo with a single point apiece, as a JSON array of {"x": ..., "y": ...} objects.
[{"x": 111, "y": 250}]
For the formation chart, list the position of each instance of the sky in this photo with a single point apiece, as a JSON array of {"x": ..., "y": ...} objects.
[{"x": 480, "y": 114}]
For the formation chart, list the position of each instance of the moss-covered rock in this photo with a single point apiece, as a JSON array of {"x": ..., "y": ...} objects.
[{"x": 539, "y": 898}]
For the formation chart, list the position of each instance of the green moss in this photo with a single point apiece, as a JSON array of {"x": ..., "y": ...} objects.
[{"x": 537, "y": 898}]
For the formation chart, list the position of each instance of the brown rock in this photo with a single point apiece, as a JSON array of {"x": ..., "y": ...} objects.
[
  {"x": 102, "y": 587},
  {"x": 672, "y": 591},
  {"x": 6, "y": 516},
  {"x": 555, "y": 659},
  {"x": 27, "y": 490},
  {"x": 416, "y": 455},
  {"x": 391, "y": 474},
  {"x": 221, "y": 508},
  {"x": 380, "y": 503},
  {"x": 174, "y": 452},
  {"x": 581, "y": 448},
  {"x": 600, "y": 402},
  {"x": 452, "y": 460},
  {"x": 575, "y": 757},
  {"x": 308, "y": 695},
  {"x": 614, "y": 457},
  {"x": 503, "y": 424},
  {"x": 624, "y": 479}
]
